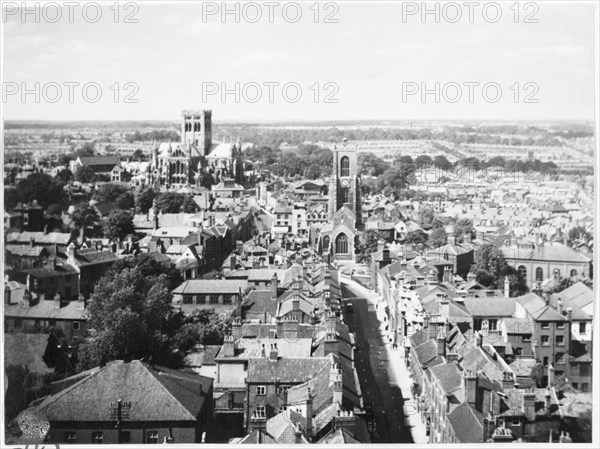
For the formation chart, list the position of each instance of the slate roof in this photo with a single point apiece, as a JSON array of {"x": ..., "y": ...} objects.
[
  {"x": 210, "y": 286},
  {"x": 490, "y": 307},
  {"x": 258, "y": 436},
  {"x": 466, "y": 424},
  {"x": 285, "y": 369},
  {"x": 26, "y": 250},
  {"x": 87, "y": 257},
  {"x": 99, "y": 160},
  {"x": 52, "y": 238},
  {"x": 448, "y": 376},
  {"x": 26, "y": 350},
  {"x": 283, "y": 427},
  {"x": 555, "y": 252},
  {"x": 339, "y": 436},
  {"x": 160, "y": 394},
  {"x": 427, "y": 354},
  {"x": 577, "y": 295},
  {"x": 45, "y": 309},
  {"x": 49, "y": 271}
]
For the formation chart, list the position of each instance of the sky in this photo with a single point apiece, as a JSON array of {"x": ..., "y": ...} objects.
[{"x": 358, "y": 61}]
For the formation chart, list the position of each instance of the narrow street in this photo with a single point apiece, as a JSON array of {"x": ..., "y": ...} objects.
[{"x": 372, "y": 364}]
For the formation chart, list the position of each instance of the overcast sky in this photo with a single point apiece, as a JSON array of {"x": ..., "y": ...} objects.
[{"x": 367, "y": 56}]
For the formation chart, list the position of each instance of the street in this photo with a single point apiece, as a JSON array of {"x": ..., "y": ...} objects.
[{"x": 372, "y": 365}]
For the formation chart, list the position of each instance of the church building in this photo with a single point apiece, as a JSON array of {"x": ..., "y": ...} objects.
[
  {"x": 337, "y": 237},
  {"x": 196, "y": 159}
]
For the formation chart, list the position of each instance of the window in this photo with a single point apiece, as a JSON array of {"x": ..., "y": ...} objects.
[
  {"x": 573, "y": 273},
  {"x": 518, "y": 351},
  {"x": 582, "y": 327},
  {"x": 516, "y": 420},
  {"x": 539, "y": 274},
  {"x": 477, "y": 324},
  {"x": 345, "y": 166},
  {"x": 493, "y": 325},
  {"x": 522, "y": 271},
  {"x": 214, "y": 299},
  {"x": 575, "y": 385},
  {"x": 545, "y": 325},
  {"x": 326, "y": 242},
  {"x": 341, "y": 244},
  {"x": 226, "y": 299},
  {"x": 70, "y": 437},
  {"x": 282, "y": 390},
  {"x": 545, "y": 340},
  {"x": 153, "y": 437},
  {"x": 261, "y": 411},
  {"x": 261, "y": 390},
  {"x": 97, "y": 437},
  {"x": 545, "y": 361},
  {"x": 200, "y": 299},
  {"x": 345, "y": 195},
  {"x": 527, "y": 338},
  {"x": 187, "y": 299},
  {"x": 560, "y": 325},
  {"x": 560, "y": 357},
  {"x": 75, "y": 325},
  {"x": 584, "y": 369},
  {"x": 560, "y": 340},
  {"x": 125, "y": 436},
  {"x": 584, "y": 387}
]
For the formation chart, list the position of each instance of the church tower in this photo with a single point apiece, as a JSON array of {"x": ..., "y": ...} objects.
[
  {"x": 196, "y": 129},
  {"x": 344, "y": 185}
]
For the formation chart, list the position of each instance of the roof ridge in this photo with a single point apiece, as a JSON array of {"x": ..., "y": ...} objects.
[{"x": 157, "y": 379}]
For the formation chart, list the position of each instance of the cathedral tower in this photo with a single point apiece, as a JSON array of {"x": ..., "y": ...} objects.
[{"x": 196, "y": 129}]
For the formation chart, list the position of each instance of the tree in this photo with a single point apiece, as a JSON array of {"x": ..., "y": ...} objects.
[
  {"x": 41, "y": 187},
  {"x": 110, "y": 192},
  {"x": 463, "y": 227},
  {"x": 426, "y": 217},
  {"x": 202, "y": 327},
  {"x": 119, "y": 224},
  {"x": 87, "y": 149},
  {"x": 54, "y": 209},
  {"x": 368, "y": 242},
  {"x": 437, "y": 237},
  {"x": 145, "y": 199},
  {"x": 423, "y": 161},
  {"x": 517, "y": 283},
  {"x": 150, "y": 266},
  {"x": 489, "y": 266},
  {"x": 579, "y": 233},
  {"x": 188, "y": 205},
  {"x": 370, "y": 164},
  {"x": 415, "y": 238},
  {"x": 442, "y": 163},
  {"x": 83, "y": 217},
  {"x": 11, "y": 198},
  {"x": 169, "y": 202},
  {"x": 85, "y": 174},
  {"x": 130, "y": 315},
  {"x": 65, "y": 158},
  {"x": 125, "y": 201},
  {"x": 64, "y": 175},
  {"x": 139, "y": 154},
  {"x": 58, "y": 355}
]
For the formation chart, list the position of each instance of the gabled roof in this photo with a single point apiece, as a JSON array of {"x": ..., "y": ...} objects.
[
  {"x": 46, "y": 309},
  {"x": 210, "y": 286},
  {"x": 554, "y": 252},
  {"x": 99, "y": 160},
  {"x": 160, "y": 394},
  {"x": 285, "y": 369},
  {"x": 448, "y": 376},
  {"x": 466, "y": 424},
  {"x": 492, "y": 307}
]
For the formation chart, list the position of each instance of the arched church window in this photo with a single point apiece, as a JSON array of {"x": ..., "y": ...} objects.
[
  {"x": 345, "y": 195},
  {"x": 325, "y": 243},
  {"x": 341, "y": 244},
  {"x": 345, "y": 166},
  {"x": 522, "y": 271}
]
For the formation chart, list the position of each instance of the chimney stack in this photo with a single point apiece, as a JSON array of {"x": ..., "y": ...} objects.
[
  {"x": 344, "y": 419},
  {"x": 56, "y": 301},
  {"x": 441, "y": 343},
  {"x": 274, "y": 287},
  {"x": 451, "y": 239},
  {"x": 380, "y": 245},
  {"x": 550, "y": 374},
  {"x": 507, "y": 381},
  {"x": 506, "y": 287},
  {"x": 72, "y": 253},
  {"x": 273, "y": 352},
  {"x": 232, "y": 262},
  {"x": 529, "y": 403},
  {"x": 332, "y": 343},
  {"x": 470, "y": 385},
  {"x": 236, "y": 329},
  {"x": 547, "y": 400},
  {"x": 228, "y": 346},
  {"x": 569, "y": 314}
]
